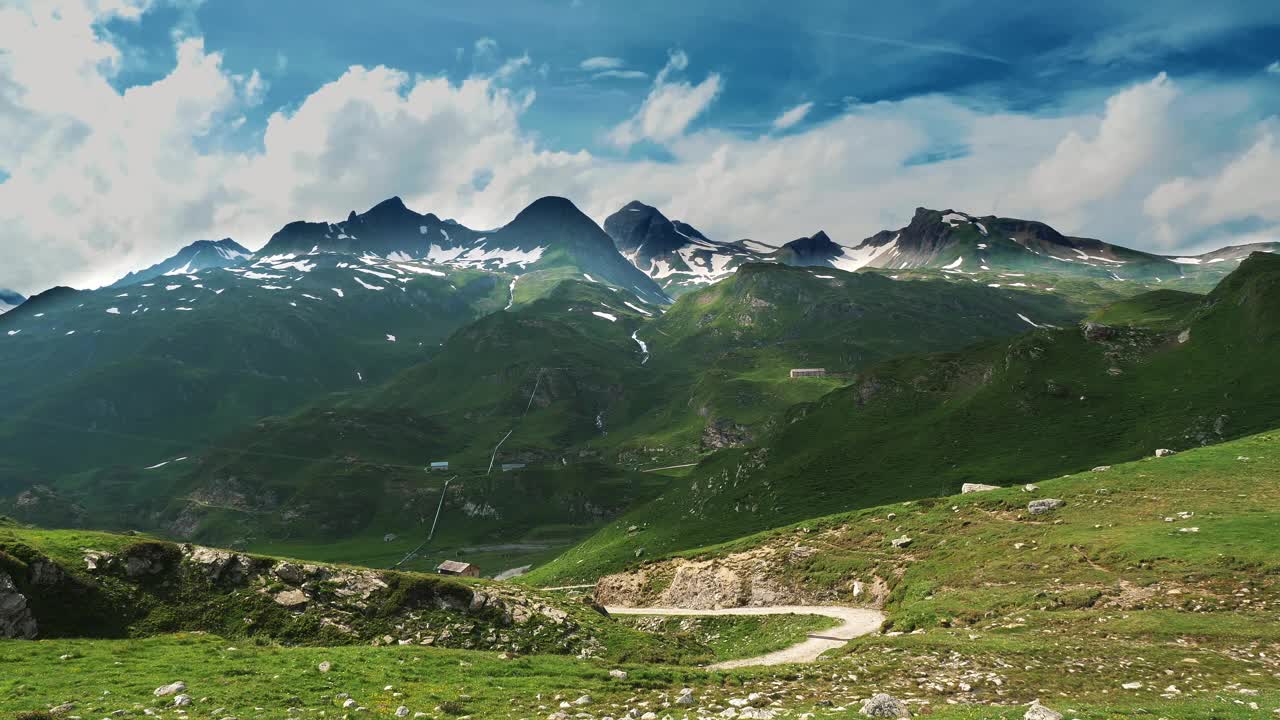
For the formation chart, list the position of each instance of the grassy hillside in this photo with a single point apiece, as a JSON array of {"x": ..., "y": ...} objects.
[
  {"x": 1051, "y": 401},
  {"x": 564, "y": 383},
  {"x": 100, "y": 585},
  {"x": 724, "y": 352},
  {"x": 1160, "y": 572},
  {"x": 129, "y": 377},
  {"x": 1102, "y": 608}
]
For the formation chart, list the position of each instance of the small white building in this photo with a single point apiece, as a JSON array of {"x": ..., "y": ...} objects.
[
  {"x": 455, "y": 567},
  {"x": 440, "y": 465},
  {"x": 808, "y": 372}
]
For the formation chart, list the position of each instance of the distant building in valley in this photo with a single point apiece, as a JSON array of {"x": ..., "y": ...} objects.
[
  {"x": 454, "y": 567},
  {"x": 440, "y": 465},
  {"x": 808, "y": 372},
  {"x": 508, "y": 467}
]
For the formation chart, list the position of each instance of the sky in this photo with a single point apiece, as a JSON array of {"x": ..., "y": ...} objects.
[{"x": 129, "y": 128}]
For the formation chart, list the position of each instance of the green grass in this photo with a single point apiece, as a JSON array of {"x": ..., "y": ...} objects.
[
  {"x": 1049, "y": 402},
  {"x": 247, "y": 680},
  {"x": 734, "y": 637}
]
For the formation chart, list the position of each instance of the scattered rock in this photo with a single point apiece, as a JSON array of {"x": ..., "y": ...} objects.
[
  {"x": 1164, "y": 452},
  {"x": 882, "y": 705},
  {"x": 389, "y": 537},
  {"x": 181, "y": 700},
  {"x": 325, "y": 666},
  {"x": 619, "y": 674},
  {"x": 1029, "y": 487},
  {"x": 1101, "y": 468},
  {"x": 1044, "y": 505},
  {"x": 1040, "y": 712},
  {"x": 170, "y": 689},
  {"x": 977, "y": 487},
  {"x": 62, "y": 709},
  {"x": 1132, "y": 686},
  {"x": 291, "y": 598},
  {"x": 1097, "y": 331},
  {"x": 901, "y": 542},
  {"x": 290, "y": 573},
  {"x": 403, "y": 711}
]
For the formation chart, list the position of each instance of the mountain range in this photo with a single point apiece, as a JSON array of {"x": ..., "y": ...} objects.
[{"x": 287, "y": 399}]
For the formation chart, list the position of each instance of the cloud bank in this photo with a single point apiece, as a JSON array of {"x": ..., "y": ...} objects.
[{"x": 99, "y": 181}]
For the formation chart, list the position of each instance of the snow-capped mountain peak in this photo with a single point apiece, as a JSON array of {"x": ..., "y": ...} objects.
[
  {"x": 199, "y": 255},
  {"x": 674, "y": 253}
]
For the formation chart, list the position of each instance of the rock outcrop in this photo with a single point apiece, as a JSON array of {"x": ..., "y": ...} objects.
[
  {"x": 16, "y": 620},
  {"x": 752, "y": 578}
]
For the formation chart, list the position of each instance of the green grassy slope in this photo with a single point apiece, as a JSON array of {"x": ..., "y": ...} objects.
[
  {"x": 724, "y": 352},
  {"x": 1049, "y": 402},
  {"x": 1104, "y": 608},
  {"x": 1161, "y": 572},
  {"x": 576, "y": 393},
  {"x": 99, "y": 585},
  {"x": 150, "y": 381}
]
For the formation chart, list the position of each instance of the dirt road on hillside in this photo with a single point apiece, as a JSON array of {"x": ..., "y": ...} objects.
[{"x": 855, "y": 622}]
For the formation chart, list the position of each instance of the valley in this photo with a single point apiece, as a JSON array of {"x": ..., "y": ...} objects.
[{"x": 275, "y": 450}]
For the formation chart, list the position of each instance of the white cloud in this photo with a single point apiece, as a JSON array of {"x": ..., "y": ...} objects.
[
  {"x": 1274, "y": 68},
  {"x": 104, "y": 181},
  {"x": 95, "y": 175},
  {"x": 791, "y": 117},
  {"x": 1132, "y": 131},
  {"x": 1242, "y": 189},
  {"x": 621, "y": 74},
  {"x": 601, "y": 63},
  {"x": 669, "y": 108},
  {"x": 486, "y": 46},
  {"x": 512, "y": 66}
]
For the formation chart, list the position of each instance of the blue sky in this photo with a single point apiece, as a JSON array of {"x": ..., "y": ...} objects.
[
  {"x": 1027, "y": 56},
  {"x": 139, "y": 125}
]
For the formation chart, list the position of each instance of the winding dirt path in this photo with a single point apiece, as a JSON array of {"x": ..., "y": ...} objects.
[{"x": 855, "y": 622}]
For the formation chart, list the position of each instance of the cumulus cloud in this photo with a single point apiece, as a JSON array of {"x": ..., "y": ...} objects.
[
  {"x": 669, "y": 107},
  {"x": 103, "y": 181},
  {"x": 601, "y": 63},
  {"x": 1274, "y": 68},
  {"x": 96, "y": 174},
  {"x": 1084, "y": 167},
  {"x": 1242, "y": 189},
  {"x": 792, "y": 117}
]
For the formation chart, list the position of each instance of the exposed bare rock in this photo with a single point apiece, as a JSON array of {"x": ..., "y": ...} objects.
[
  {"x": 751, "y": 578},
  {"x": 724, "y": 433},
  {"x": 291, "y": 598},
  {"x": 977, "y": 487},
  {"x": 16, "y": 620},
  {"x": 1040, "y": 507},
  {"x": 882, "y": 705}
]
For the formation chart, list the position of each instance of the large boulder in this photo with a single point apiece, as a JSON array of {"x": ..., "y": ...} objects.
[
  {"x": 882, "y": 705},
  {"x": 977, "y": 487},
  {"x": 1042, "y": 506},
  {"x": 16, "y": 620},
  {"x": 1039, "y": 712}
]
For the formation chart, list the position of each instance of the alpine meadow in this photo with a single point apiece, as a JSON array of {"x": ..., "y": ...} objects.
[{"x": 354, "y": 362}]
